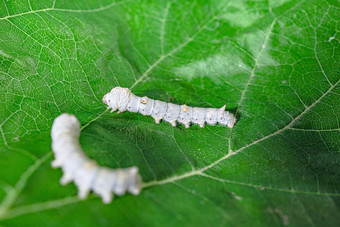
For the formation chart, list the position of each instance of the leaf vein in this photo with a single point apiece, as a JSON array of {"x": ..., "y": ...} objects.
[
  {"x": 231, "y": 153},
  {"x": 15, "y": 192}
]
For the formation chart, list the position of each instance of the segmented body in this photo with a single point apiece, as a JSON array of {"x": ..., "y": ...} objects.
[
  {"x": 86, "y": 173},
  {"x": 123, "y": 99}
]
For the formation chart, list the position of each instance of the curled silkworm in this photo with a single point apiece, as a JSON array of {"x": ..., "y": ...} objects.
[
  {"x": 123, "y": 99},
  {"x": 86, "y": 173}
]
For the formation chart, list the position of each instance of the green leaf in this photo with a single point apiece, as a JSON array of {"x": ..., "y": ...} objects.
[{"x": 275, "y": 64}]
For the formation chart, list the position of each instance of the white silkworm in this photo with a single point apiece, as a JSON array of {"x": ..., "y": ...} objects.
[
  {"x": 86, "y": 173},
  {"x": 123, "y": 99}
]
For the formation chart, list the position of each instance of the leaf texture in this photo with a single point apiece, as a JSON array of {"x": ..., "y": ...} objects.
[{"x": 275, "y": 64}]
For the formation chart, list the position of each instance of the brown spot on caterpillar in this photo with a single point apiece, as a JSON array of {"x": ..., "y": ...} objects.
[
  {"x": 144, "y": 100},
  {"x": 185, "y": 108}
]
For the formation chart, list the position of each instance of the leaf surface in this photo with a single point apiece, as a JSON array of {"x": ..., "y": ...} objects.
[{"x": 275, "y": 64}]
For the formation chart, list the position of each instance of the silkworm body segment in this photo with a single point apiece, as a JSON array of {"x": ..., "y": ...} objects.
[
  {"x": 123, "y": 99},
  {"x": 86, "y": 173}
]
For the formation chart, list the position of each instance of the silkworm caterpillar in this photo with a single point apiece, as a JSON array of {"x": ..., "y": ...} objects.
[
  {"x": 123, "y": 99},
  {"x": 86, "y": 173}
]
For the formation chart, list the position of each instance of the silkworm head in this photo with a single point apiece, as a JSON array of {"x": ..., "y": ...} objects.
[
  {"x": 109, "y": 99},
  {"x": 105, "y": 101},
  {"x": 65, "y": 123}
]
